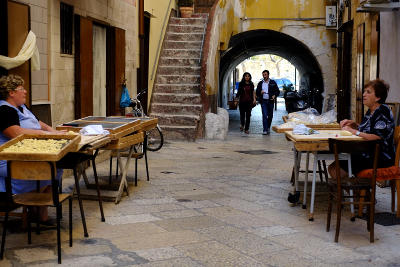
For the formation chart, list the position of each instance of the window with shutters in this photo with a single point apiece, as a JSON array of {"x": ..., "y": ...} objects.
[{"x": 66, "y": 26}]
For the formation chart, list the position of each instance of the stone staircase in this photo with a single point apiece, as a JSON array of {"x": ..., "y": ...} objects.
[{"x": 176, "y": 97}]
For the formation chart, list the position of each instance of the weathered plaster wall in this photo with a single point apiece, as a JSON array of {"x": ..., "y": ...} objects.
[
  {"x": 303, "y": 20},
  {"x": 390, "y": 53},
  {"x": 161, "y": 10},
  {"x": 118, "y": 13}
]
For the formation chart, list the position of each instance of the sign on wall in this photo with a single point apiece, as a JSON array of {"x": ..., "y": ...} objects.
[{"x": 330, "y": 16}]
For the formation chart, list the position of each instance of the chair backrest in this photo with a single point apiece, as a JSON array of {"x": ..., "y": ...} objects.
[
  {"x": 341, "y": 146},
  {"x": 396, "y": 138},
  {"x": 30, "y": 170}
]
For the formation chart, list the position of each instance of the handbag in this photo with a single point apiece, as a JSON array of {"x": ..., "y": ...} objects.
[{"x": 125, "y": 98}]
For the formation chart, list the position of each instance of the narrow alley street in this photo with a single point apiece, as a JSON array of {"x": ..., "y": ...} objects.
[{"x": 212, "y": 203}]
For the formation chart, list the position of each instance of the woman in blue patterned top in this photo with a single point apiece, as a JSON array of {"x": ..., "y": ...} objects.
[{"x": 377, "y": 124}]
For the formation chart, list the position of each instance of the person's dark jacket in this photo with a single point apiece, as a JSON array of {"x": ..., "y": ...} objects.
[
  {"x": 272, "y": 90},
  {"x": 241, "y": 94}
]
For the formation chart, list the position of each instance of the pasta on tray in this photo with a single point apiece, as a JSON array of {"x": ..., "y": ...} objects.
[{"x": 32, "y": 145}]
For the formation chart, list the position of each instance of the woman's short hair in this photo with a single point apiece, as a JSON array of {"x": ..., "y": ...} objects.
[
  {"x": 381, "y": 89},
  {"x": 9, "y": 83}
]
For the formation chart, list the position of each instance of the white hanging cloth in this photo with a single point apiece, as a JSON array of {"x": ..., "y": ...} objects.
[{"x": 28, "y": 50}]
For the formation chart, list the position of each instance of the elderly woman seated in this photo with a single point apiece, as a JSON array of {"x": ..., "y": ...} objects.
[
  {"x": 377, "y": 124},
  {"x": 17, "y": 119}
]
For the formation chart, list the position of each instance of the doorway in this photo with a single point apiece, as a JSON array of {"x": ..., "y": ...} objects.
[{"x": 99, "y": 70}]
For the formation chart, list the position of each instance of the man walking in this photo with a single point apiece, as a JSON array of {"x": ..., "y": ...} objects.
[{"x": 267, "y": 91}]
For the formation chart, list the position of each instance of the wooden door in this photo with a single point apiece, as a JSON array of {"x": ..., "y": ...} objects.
[
  {"x": 374, "y": 54},
  {"x": 83, "y": 67},
  {"x": 360, "y": 71},
  {"x": 115, "y": 69},
  {"x": 15, "y": 26}
]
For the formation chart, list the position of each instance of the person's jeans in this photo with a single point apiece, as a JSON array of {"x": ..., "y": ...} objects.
[
  {"x": 245, "y": 113},
  {"x": 267, "y": 108}
]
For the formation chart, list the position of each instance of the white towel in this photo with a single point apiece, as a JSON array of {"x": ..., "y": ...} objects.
[
  {"x": 93, "y": 130},
  {"x": 303, "y": 130}
]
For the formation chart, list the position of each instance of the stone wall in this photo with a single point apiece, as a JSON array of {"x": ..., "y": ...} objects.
[
  {"x": 121, "y": 14},
  {"x": 390, "y": 53},
  {"x": 38, "y": 13},
  {"x": 303, "y": 20}
]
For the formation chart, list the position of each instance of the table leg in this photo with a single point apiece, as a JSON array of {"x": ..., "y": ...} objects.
[
  {"x": 306, "y": 182},
  {"x": 78, "y": 192},
  {"x": 353, "y": 216},
  {"x": 124, "y": 183},
  {"x": 311, "y": 217},
  {"x": 97, "y": 185}
]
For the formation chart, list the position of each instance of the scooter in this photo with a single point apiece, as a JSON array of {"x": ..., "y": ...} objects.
[{"x": 294, "y": 101}]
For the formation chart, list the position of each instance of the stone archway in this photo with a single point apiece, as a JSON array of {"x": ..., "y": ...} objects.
[{"x": 256, "y": 42}]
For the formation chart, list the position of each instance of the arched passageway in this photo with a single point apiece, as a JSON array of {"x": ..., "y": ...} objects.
[{"x": 256, "y": 42}]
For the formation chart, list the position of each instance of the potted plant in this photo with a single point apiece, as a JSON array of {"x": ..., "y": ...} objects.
[{"x": 185, "y": 8}]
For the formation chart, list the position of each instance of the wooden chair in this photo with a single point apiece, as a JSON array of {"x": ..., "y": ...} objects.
[
  {"x": 37, "y": 171},
  {"x": 6, "y": 207},
  {"x": 391, "y": 174},
  {"x": 352, "y": 184}
]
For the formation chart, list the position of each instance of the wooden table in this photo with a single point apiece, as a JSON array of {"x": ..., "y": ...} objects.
[
  {"x": 313, "y": 144},
  {"x": 88, "y": 150},
  {"x": 125, "y": 133}
]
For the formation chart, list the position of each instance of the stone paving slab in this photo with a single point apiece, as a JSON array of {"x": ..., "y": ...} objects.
[{"x": 207, "y": 204}]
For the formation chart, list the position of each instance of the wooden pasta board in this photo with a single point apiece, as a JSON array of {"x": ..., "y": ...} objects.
[
  {"x": 126, "y": 141},
  {"x": 148, "y": 123},
  {"x": 71, "y": 146},
  {"x": 323, "y": 135},
  {"x": 118, "y": 126},
  {"x": 332, "y": 126}
]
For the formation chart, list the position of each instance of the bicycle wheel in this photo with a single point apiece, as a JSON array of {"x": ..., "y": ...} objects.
[{"x": 155, "y": 139}]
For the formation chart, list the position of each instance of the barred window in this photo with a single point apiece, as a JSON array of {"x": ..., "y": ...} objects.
[{"x": 66, "y": 26}]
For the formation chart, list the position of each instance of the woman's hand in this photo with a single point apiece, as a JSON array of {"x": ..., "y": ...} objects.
[
  {"x": 349, "y": 123},
  {"x": 349, "y": 129}
]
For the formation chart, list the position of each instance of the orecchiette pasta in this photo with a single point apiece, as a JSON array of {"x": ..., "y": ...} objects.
[{"x": 32, "y": 145}]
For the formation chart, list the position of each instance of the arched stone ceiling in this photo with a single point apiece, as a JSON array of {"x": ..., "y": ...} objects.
[{"x": 256, "y": 42}]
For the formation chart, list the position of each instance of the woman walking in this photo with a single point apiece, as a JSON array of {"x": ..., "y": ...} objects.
[{"x": 247, "y": 100}]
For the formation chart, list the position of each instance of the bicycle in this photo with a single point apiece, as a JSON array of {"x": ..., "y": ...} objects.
[{"x": 155, "y": 137}]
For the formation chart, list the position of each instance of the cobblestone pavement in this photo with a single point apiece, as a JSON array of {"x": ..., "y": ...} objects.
[{"x": 212, "y": 203}]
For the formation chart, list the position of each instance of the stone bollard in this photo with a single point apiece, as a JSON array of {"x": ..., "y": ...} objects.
[{"x": 217, "y": 124}]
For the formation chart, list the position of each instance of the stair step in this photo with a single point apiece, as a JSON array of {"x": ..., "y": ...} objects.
[
  {"x": 177, "y": 88},
  {"x": 200, "y": 15},
  {"x": 183, "y": 45},
  {"x": 178, "y": 70},
  {"x": 179, "y": 61},
  {"x": 184, "y": 36},
  {"x": 188, "y": 21},
  {"x": 182, "y": 120},
  {"x": 181, "y": 53},
  {"x": 176, "y": 98},
  {"x": 174, "y": 79},
  {"x": 178, "y": 28},
  {"x": 188, "y": 133},
  {"x": 176, "y": 108}
]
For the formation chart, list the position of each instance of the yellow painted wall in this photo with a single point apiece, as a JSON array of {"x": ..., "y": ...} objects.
[
  {"x": 161, "y": 10},
  {"x": 301, "y": 19}
]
